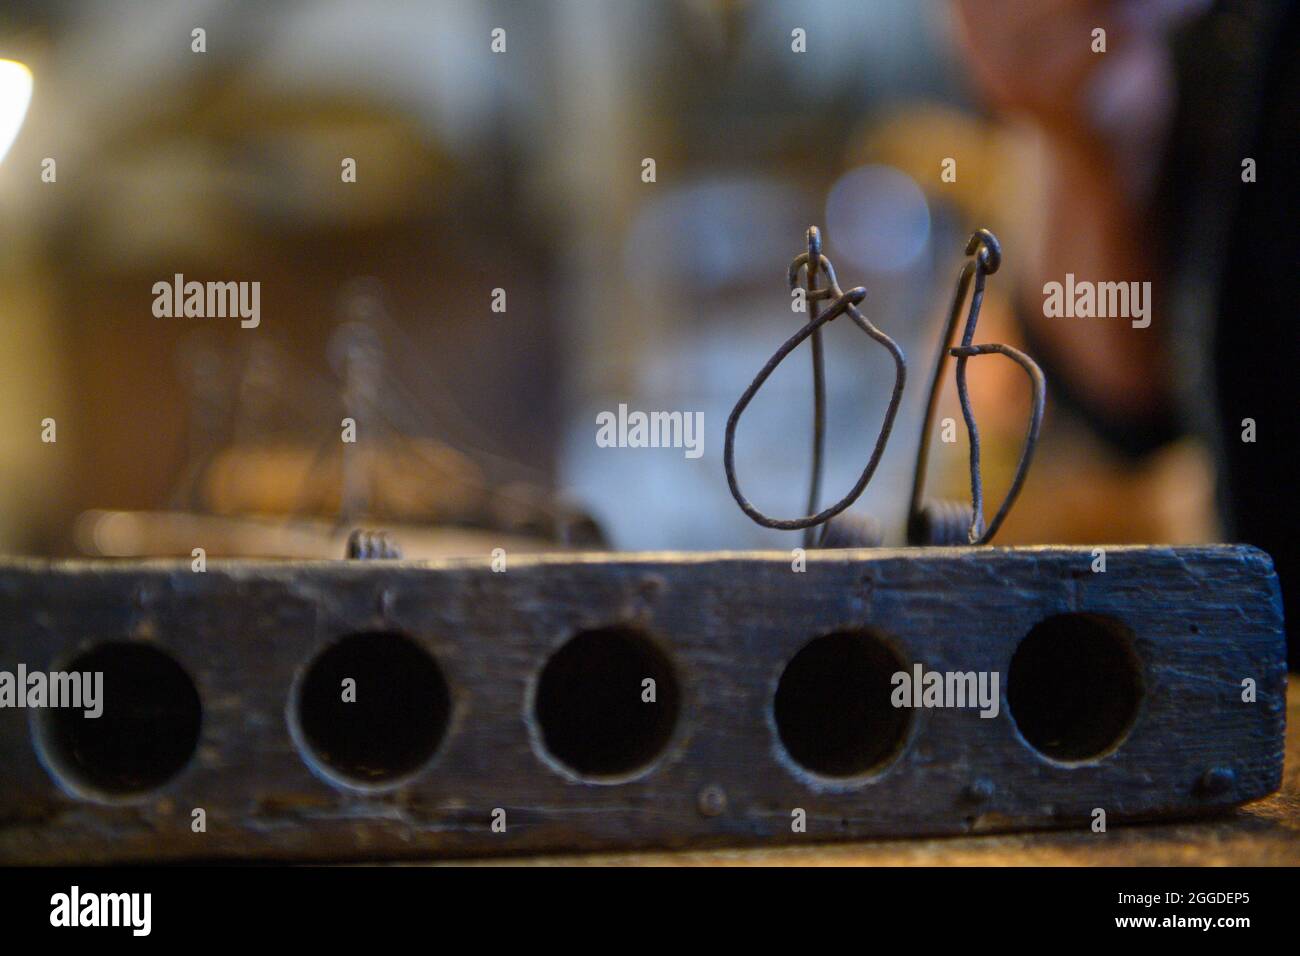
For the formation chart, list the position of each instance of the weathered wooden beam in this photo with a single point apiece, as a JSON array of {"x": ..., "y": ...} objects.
[{"x": 518, "y": 698}]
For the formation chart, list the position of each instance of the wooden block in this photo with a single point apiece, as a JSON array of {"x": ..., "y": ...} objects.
[{"x": 517, "y": 697}]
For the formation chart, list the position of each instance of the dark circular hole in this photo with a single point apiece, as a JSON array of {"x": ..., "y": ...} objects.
[
  {"x": 591, "y": 708},
  {"x": 146, "y": 733},
  {"x": 1074, "y": 686},
  {"x": 832, "y": 707},
  {"x": 387, "y": 722}
]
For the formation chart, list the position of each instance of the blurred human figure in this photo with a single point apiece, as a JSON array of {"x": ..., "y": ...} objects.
[{"x": 1173, "y": 159}]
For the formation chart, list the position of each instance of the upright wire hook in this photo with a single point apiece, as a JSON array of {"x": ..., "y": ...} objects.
[
  {"x": 948, "y": 522},
  {"x": 810, "y": 263},
  {"x": 813, "y": 304}
]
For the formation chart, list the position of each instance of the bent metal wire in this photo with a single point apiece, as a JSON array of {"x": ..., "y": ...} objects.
[
  {"x": 931, "y": 522},
  {"x": 948, "y": 522},
  {"x": 810, "y": 263}
]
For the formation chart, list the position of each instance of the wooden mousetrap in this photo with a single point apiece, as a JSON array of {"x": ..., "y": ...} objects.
[
  {"x": 499, "y": 712},
  {"x": 385, "y": 709}
]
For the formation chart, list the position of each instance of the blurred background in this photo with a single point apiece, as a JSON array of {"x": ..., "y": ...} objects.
[{"x": 522, "y": 171}]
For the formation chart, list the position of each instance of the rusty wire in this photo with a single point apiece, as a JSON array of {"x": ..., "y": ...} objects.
[
  {"x": 810, "y": 263},
  {"x": 943, "y": 522}
]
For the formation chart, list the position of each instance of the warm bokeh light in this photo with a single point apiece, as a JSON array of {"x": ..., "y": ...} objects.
[{"x": 15, "y": 94}]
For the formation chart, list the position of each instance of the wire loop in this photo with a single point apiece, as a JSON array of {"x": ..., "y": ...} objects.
[
  {"x": 932, "y": 522},
  {"x": 810, "y": 264}
]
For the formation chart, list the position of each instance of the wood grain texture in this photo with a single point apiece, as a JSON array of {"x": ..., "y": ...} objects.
[
  {"x": 1203, "y": 619},
  {"x": 1262, "y": 833}
]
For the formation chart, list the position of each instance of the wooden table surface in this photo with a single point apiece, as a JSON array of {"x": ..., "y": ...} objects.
[{"x": 1263, "y": 833}]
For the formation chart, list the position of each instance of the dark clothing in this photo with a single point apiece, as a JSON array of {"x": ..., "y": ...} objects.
[{"x": 1232, "y": 249}]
